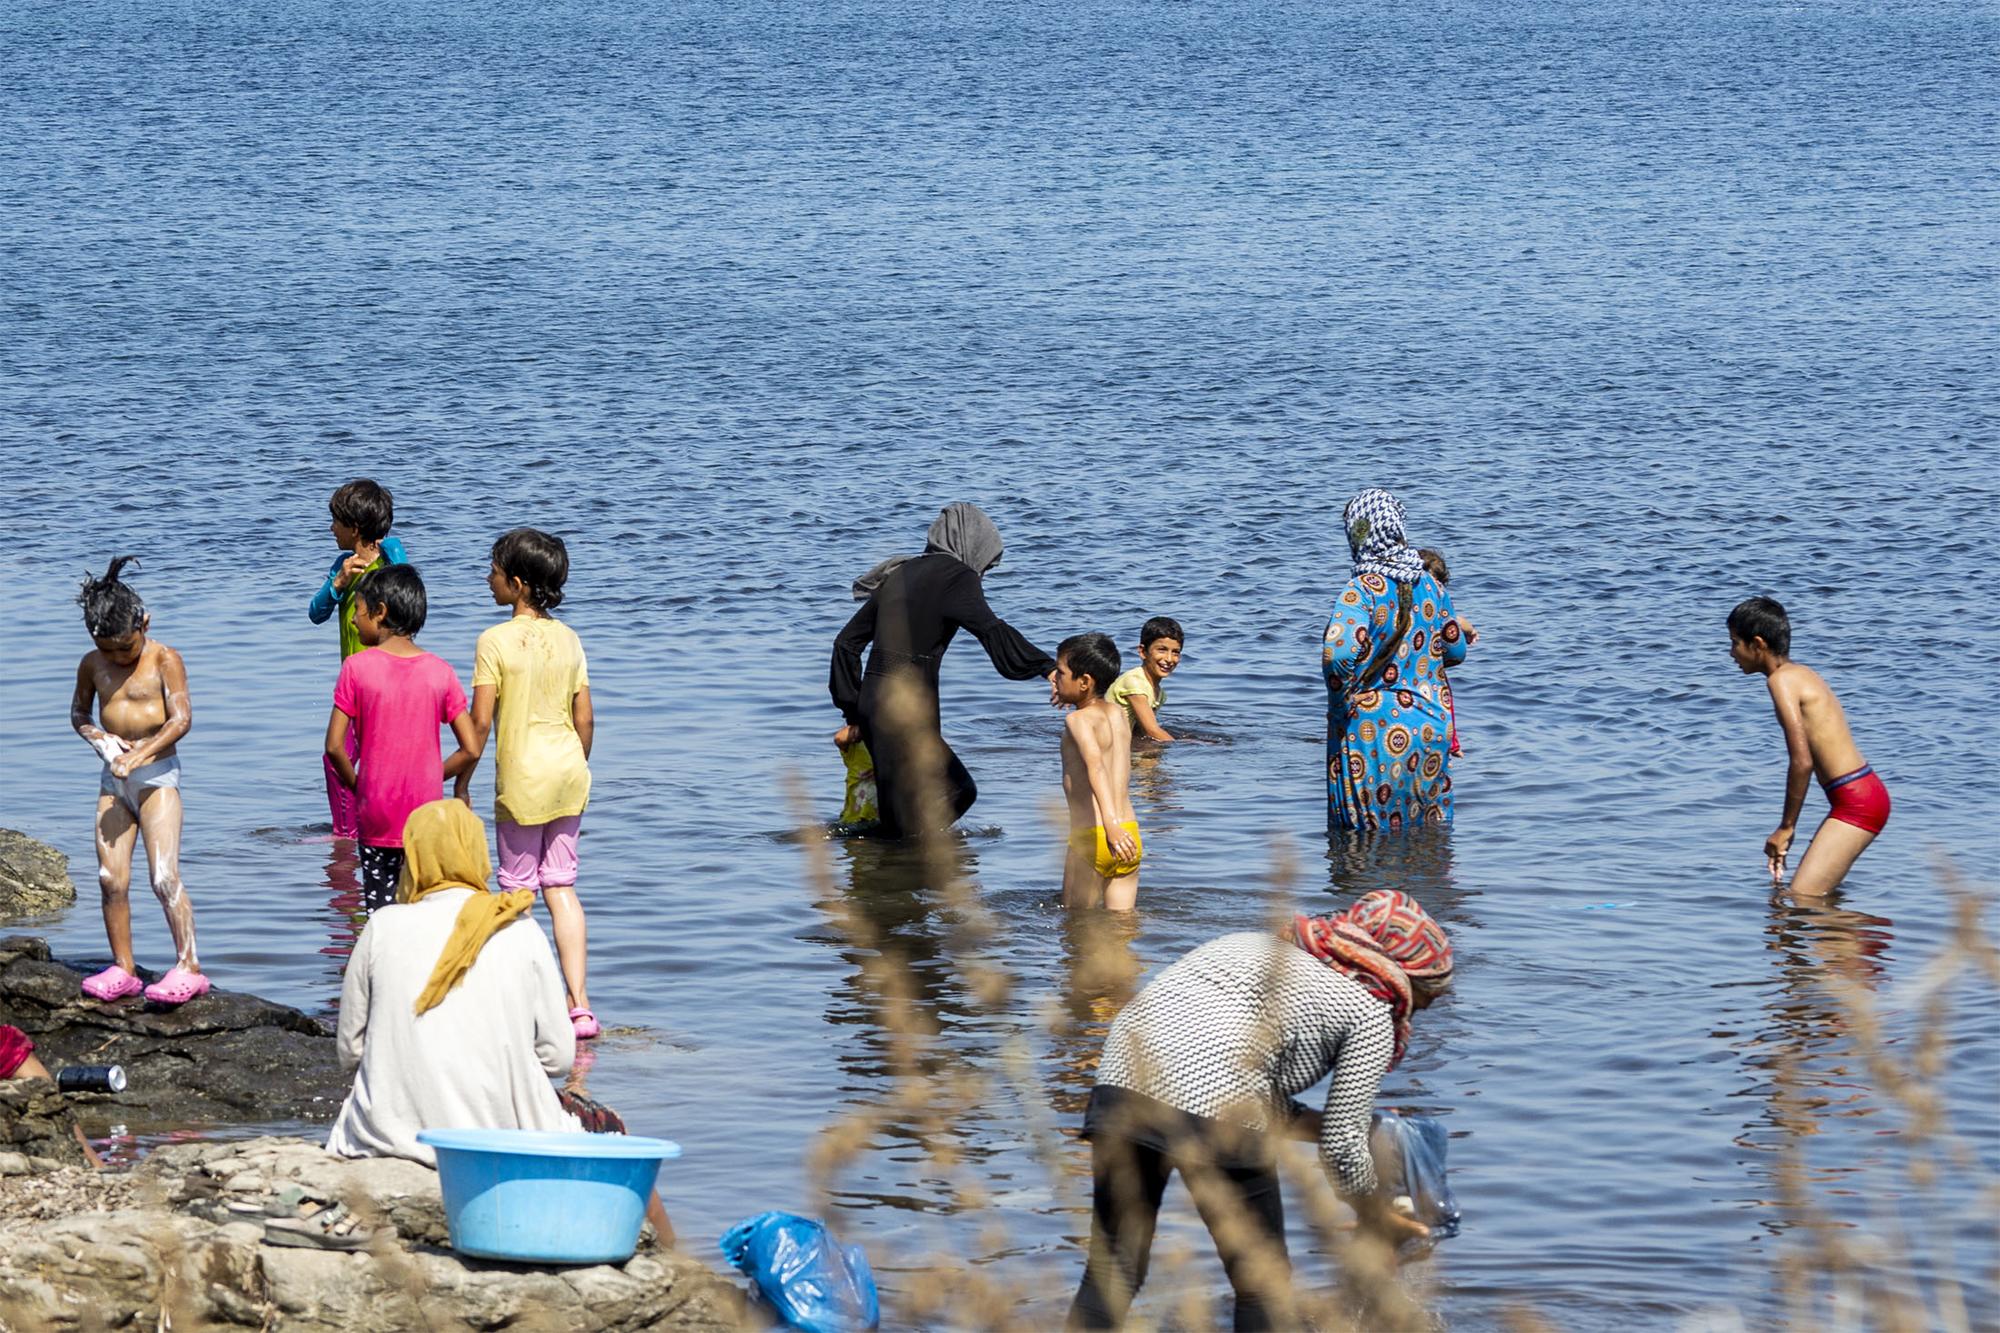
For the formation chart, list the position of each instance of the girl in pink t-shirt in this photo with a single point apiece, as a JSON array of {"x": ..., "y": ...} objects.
[{"x": 396, "y": 696}]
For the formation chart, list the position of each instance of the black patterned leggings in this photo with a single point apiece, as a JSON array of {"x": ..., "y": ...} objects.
[{"x": 381, "y": 867}]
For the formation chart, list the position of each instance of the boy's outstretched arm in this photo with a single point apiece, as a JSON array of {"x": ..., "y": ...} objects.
[
  {"x": 1097, "y": 769},
  {"x": 1798, "y": 774},
  {"x": 1148, "y": 720},
  {"x": 336, "y": 747},
  {"x": 180, "y": 717}
]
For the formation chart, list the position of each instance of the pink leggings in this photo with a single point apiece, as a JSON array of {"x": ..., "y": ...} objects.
[
  {"x": 539, "y": 856},
  {"x": 342, "y": 801}
]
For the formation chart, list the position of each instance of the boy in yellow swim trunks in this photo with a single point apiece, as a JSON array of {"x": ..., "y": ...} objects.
[{"x": 1101, "y": 868}]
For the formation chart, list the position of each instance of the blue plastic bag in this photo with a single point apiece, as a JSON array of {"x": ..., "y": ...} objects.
[
  {"x": 1409, "y": 1164},
  {"x": 812, "y": 1281}
]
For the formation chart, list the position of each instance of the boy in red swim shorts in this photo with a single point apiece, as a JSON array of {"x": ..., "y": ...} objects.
[{"x": 1819, "y": 743}]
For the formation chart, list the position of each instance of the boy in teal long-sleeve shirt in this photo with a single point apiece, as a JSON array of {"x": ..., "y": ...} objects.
[{"x": 363, "y": 512}]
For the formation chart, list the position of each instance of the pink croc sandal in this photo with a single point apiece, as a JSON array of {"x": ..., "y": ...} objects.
[
  {"x": 585, "y": 1024},
  {"x": 113, "y": 983},
  {"x": 177, "y": 987}
]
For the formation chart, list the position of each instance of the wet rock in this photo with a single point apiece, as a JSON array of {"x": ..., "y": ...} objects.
[
  {"x": 36, "y": 1123},
  {"x": 224, "y": 1058},
  {"x": 185, "y": 1261},
  {"x": 34, "y": 877}
]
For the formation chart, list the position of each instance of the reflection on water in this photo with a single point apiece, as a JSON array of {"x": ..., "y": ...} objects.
[
  {"x": 912, "y": 1078},
  {"x": 1100, "y": 973},
  {"x": 1155, "y": 790},
  {"x": 1804, "y": 1060},
  {"x": 1417, "y": 861},
  {"x": 344, "y": 913}
]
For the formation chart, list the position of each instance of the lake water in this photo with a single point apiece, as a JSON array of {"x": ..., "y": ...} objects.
[{"x": 1642, "y": 308}]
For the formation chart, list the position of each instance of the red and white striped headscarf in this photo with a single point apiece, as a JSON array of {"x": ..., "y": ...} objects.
[{"x": 1382, "y": 941}]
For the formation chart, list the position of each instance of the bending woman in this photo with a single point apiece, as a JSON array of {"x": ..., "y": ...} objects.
[
  {"x": 1388, "y": 706},
  {"x": 914, "y": 607},
  {"x": 1199, "y": 1074}
]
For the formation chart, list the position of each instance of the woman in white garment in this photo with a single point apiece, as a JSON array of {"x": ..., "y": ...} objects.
[{"x": 452, "y": 1014}]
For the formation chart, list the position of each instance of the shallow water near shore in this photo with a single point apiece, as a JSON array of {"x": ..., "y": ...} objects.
[{"x": 1641, "y": 310}]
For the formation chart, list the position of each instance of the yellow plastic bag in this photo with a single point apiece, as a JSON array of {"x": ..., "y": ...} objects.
[{"x": 860, "y": 807}]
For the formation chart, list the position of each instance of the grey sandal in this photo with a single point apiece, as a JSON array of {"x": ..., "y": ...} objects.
[{"x": 329, "y": 1228}]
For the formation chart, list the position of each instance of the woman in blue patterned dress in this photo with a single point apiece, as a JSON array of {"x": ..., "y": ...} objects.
[{"x": 1388, "y": 716}]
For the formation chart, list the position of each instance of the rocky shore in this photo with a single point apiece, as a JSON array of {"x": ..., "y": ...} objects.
[
  {"x": 227, "y": 1058},
  {"x": 180, "y": 1241},
  {"x": 34, "y": 877}
]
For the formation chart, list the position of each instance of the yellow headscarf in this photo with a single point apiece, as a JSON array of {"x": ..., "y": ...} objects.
[{"x": 444, "y": 847}]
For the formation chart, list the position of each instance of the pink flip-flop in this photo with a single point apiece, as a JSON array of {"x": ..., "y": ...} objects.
[
  {"x": 113, "y": 983},
  {"x": 177, "y": 987},
  {"x": 585, "y": 1024}
]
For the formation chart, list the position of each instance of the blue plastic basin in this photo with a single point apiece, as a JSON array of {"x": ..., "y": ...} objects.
[{"x": 545, "y": 1198}]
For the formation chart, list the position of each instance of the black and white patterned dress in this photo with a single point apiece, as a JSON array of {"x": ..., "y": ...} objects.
[{"x": 1234, "y": 1029}]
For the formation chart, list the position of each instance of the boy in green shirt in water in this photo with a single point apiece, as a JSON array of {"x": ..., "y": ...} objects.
[
  {"x": 363, "y": 511},
  {"x": 1140, "y": 692}
]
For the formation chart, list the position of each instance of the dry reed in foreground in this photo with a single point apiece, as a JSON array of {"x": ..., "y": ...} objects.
[{"x": 1831, "y": 1275}]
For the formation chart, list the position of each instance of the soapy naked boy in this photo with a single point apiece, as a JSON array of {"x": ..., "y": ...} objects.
[
  {"x": 140, "y": 692},
  {"x": 1818, "y": 743},
  {"x": 1101, "y": 868}
]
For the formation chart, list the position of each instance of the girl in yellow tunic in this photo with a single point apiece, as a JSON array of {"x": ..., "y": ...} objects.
[{"x": 529, "y": 678}]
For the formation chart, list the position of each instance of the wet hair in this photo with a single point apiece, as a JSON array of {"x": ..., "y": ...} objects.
[
  {"x": 1434, "y": 562},
  {"x": 111, "y": 610},
  {"x": 1762, "y": 618},
  {"x": 365, "y": 506},
  {"x": 1161, "y": 627},
  {"x": 1092, "y": 655},
  {"x": 396, "y": 593},
  {"x": 539, "y": 559}
]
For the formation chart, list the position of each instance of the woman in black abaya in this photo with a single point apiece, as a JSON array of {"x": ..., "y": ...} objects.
[{"x": 913, "y": 607}]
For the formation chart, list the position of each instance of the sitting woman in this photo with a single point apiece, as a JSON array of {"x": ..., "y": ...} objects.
[
  {"x": 1198, "y": 1075},
  {"x": 452, "y": 1013}
]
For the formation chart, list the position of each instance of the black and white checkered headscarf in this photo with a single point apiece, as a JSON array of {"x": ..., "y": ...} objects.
[{"x": 1374, "y": 523}]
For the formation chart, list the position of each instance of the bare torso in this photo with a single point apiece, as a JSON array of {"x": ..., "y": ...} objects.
[
  {"x": 1104, "y": 722},
  {"x": 132, "y": 701},
  {"x": 1797, "y": 691}
]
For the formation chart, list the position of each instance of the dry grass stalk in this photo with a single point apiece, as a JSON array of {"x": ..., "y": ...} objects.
[
  {"x": 1827, "y": 1272},
  {"x": 1832, "y": 1272}
]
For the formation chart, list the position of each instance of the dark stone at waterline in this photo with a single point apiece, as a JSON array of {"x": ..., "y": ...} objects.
[
  {"x": 34, "y": 877},
  {"x": 225, "y": 1058},
  {"x": 35, "y": 1122}
]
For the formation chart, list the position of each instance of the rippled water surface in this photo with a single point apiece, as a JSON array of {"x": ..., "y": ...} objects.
[{"x": 1642, "y": 308}]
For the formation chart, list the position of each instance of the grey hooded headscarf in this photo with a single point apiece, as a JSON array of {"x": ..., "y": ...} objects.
[{"x": 962, "y": 531}]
